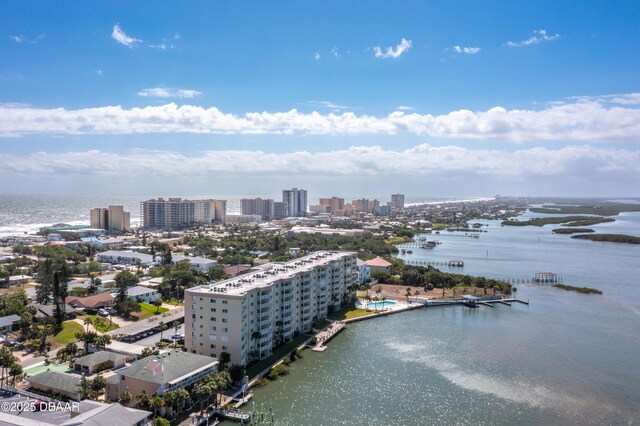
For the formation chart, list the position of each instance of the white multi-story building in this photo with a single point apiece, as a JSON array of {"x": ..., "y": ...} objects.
[
  {"x": 296, "y": 200},
  {"x": 113, "y": 219},
  {"x": 171, "y": 214},
  {"x": 250, "y": 315}
]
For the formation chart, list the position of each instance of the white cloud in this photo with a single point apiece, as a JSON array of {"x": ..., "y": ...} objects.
[
  {"x": 420, "y": 160},
  {"x": 118, "y": 35},
  {"x": 99, "y": 72},
  {"x": 538, "y": 37},
  {"x": 160, "y": 46},
  {"x": 23, "y": 39},
  {"x": 327, "y": 104},
  {"x": 390, "y": 52},
  {"x": 404, "y": 108},
  {"x": 467, "y": 50},
  {"x": 335, "y": 52},
  {"x": 316, "y": 56},
  {"x": 176, "y": 36},
  {"x": 163, "y": 92},
  {"x": 590, "y": 119}
]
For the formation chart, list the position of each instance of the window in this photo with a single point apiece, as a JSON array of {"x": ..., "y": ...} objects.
[
  {"x": 226, "y": 330},
  {"x": 213, "y": 309},
  {"x": 224, "y": 338},
  {"x": 225, "y": 302},
  {"x": 213, "y": 346},
  {"x": 213, "y": 300},
  {"x": 213, "y": 337},
  {"x": 224, "y": 311},
  {"x": 224, "y": 320}
]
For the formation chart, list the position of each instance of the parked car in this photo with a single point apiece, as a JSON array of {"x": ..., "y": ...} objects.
[{"x": 103, "y": 312}]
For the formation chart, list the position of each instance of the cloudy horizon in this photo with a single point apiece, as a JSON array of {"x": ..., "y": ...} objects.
[{"x": 130, "y": 105}]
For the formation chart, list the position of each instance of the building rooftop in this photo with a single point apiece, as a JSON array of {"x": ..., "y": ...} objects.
[
  {"x": 109, "y": 414},
  {"x": 269, "y": 273},
  {"x": 8, "y": 320},
  {"x": 61, "y": 381},
  {"x": 378, "y": 261},
  {"x": 100, "y": 357},
  {"x": 194, "y": 260},
  {"x": 90, "y": 301},
  {"x": 144, "y": 258},
  {"x": 169, "y": 367},
  {"x": 138, "y": 290}
]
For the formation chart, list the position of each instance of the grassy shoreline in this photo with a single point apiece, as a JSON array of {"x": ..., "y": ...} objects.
[
  {"x": 583, "y": 290},
  {"x": 609, "y": 238}
]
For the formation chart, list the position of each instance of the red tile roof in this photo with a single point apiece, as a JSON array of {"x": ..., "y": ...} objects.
[{"x": 378, "y": 261}]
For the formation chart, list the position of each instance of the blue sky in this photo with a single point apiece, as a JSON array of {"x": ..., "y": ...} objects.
[{"x": 431, "y": 98}]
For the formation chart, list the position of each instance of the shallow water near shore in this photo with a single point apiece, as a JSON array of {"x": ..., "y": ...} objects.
[{"x": 567, "y": 358}]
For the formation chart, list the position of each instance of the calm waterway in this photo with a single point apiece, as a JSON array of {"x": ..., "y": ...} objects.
[{"x": 567, "y": 358}]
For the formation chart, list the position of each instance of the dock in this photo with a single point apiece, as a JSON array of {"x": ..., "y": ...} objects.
[
  {"x": 327, "y": 334},
  {"x": 234, "y": 415}
]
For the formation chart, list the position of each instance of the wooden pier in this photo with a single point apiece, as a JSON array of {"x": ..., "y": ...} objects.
[
  {"x": 327, "y": 334},
  {"x": 234, "y": 415}
]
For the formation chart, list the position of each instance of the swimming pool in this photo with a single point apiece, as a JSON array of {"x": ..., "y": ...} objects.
[{"x": 380, "y": 305}]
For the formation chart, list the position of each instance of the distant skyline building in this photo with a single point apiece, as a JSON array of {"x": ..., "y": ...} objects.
[
  {"x": 220, "y": 208},
  {"x": 336, "y": 204},
  {"x": 170, "y": 214},
  {"x": 209, "y": 211},
  {"x": 397, "y": 201},
  {"x": 258, "y": 206},
  {"x": 113, "y": 219},
  {"x": 296, "y": 200},
  {"x": 364, "y": 205},
  {"x": 280, "y": 210}
]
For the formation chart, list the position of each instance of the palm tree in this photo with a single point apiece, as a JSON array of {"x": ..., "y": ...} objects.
[
  {"x": 408, "y": 291},
  {"x": 200, "y": 392},
  {"x": 416, "y": 294},
  {"x": 86, "y": 322},
  {"x": 162, "y": 326},
  {"x": 142, "y": 401},
  {"x": 155, "y": 404},
  {"x": 102, "y": 341},
  {"x": 125, "y": 397}
]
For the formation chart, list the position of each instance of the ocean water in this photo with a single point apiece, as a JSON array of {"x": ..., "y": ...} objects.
[{"x": 566, "y": 358}]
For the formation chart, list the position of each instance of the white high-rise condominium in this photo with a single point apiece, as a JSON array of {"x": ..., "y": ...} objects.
[
  {"x": 296, "y": 200},
  {"x": 209, "y": 211},
  {"x": 251, "y": 315},
  {"x": 113, "y": 219},
  {"x": 171, "y": 214}
]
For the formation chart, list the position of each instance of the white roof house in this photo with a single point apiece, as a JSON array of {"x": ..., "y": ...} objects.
[
  {"x": 124, "y": 257},
  {"x": 199, "y": 263}
]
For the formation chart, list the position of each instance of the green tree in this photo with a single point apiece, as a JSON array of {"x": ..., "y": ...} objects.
[
  {"x": 97, "y": 385},
  {"x": 224, "y": 359},
  {"x": 124, "y": 280},
  {"x": 125, "y": 397}
]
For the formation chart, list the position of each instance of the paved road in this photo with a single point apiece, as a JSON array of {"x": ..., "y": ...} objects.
[{"x": 155, "y": 338}]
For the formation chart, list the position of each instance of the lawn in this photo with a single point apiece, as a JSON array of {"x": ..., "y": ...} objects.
[
  {"x": 153, "y": 310},
  {"x": 280, "y": 353},
  {"x": 148, "y": 310},
  {"x": 348, "y": 312},
  {"x": 101, "y": 324},
  {"x": 68, "y": 332}
]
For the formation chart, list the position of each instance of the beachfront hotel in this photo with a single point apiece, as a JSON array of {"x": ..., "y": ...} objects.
[{"x": 248, "y": 316}]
